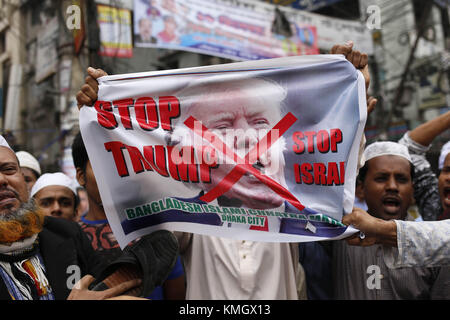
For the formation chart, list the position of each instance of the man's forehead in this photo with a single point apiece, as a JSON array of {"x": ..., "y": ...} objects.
[
  {"x": 232, "y": 107},
  {"x": 7, "y": 155},
  {"x": 447, "y": 161},
  {"x": 54, "y": 190},
  {"x": 389, "y": 163}
]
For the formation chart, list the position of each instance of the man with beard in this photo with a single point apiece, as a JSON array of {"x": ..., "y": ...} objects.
[
  {"x": 41, "y": 257},
  {"x": 361, "y": 273}
]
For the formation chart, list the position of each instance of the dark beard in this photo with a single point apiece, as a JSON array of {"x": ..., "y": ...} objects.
[{"x": 22, "y": 223}]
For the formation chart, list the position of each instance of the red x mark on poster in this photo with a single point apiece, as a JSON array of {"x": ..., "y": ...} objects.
[{"x": 243, "y": 166}]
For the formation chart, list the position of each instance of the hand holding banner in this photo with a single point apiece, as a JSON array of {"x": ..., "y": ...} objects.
[{"x": 262, "y": 150}]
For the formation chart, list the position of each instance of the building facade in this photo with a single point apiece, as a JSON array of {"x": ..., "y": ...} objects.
[{"x": 46, "y": 47}]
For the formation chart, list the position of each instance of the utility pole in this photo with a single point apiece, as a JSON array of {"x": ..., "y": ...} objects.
[{"x": 93, "y": 32}]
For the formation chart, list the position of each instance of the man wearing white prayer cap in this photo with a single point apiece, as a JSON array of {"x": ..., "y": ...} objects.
[
  {"x": 37, "y": 251},
  {"x": 3, "y": 142},
  {"x": 444, "y": 153},
  {"x": 387, "y": 179},
  {"x": 444, "y": 180},
  {"x": 30, "y": 167},
  {"x": 387, "y": 182},
  {"x": 56, "y": 194}
]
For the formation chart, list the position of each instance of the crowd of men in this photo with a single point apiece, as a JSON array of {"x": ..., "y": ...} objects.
[{"x": 56, "y": 242}]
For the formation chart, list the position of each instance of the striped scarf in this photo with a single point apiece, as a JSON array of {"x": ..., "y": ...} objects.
[{"x": 24, "y": 274}]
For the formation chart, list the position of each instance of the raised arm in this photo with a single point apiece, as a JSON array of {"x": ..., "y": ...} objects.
[
  {"x": 428, "y": 131},
  {"x": 406, "y": 243},
  {"x": 425, "y": 181},
  {"x": 376, "y": 231},
  {"x": 88, "y": 92},
  {"x": 361, "y": 62}
]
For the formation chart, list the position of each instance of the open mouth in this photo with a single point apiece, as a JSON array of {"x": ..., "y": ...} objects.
[
  {"x": 258, "y": 166},
  {"x": 391, "y": 204},
  {"x": 446, "y": 200},
  {"x": 7, "y": 197},
  {"x": 447, "y": 192}
]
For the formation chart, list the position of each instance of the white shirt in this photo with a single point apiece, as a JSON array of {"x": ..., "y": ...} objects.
[{"x": 228, "y": 269}]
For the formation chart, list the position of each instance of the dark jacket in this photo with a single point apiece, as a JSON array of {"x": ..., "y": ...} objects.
[{"x": 63, "y": 243}]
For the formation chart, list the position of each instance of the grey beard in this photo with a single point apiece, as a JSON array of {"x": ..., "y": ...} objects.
[{"x": 20, "y": 212}]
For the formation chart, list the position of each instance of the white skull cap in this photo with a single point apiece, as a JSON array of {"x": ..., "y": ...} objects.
[
  {"x": 3, "y": 142},
  {"x": 54, "y": 179},
  {"x": 386, "y": 148},
  {"x": 444, "y": 152},
  {"x": 28, "y": 161}
]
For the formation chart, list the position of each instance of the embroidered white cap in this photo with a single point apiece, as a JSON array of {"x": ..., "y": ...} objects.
[
  {"x": 386, "y": 148},
  {"x": 27, "y": 160},
  {"x": 444, "y": 152},
  {"x": 3, "y": 142},
  {"x": 54, "y": 179}
]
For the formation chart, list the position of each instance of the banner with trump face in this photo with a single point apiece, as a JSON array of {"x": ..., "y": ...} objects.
[{"x": 262, "y": 150}]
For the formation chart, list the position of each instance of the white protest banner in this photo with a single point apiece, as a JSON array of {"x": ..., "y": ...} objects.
[{"x": 261, "y": 150}]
